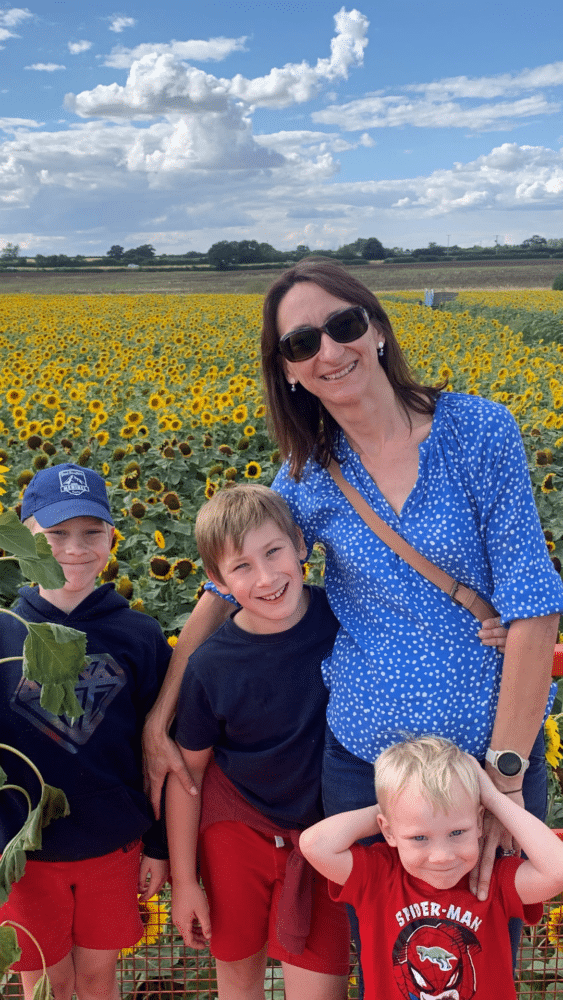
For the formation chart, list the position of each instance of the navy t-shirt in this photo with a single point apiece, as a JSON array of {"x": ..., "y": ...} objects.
[{"x": 260, "y": 702}]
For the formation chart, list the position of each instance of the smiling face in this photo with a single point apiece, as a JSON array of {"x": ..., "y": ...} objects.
[
  {"x": 340, "y": 373},
  {"x": 437, "y": 847},
  {"x": 265, "y": 578},
  {"x": 82, "y": 546}
]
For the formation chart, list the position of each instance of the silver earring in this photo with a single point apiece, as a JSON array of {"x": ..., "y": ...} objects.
[
  {"x": 293, "y": 386},
  {"x": 381, "y": 348}
]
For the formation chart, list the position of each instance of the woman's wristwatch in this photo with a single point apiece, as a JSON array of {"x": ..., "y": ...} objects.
[{"x": 507, "y": 762}]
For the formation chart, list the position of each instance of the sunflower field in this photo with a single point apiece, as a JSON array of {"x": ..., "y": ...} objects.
[{"x": 162, "y": 396}]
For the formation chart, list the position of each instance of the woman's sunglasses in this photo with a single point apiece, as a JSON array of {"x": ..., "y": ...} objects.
[{"x": 344, "y": 327}]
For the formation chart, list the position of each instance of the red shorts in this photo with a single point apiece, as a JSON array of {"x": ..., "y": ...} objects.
[
  {"x": 91, "y": 903},
  {"x": 243, "y": 873}
]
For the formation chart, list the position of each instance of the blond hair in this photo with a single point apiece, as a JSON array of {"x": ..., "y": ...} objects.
[
  {"x": 231, "y": 513},
  {"x": 431, "y": 764},
  {"x": 32, "y": 523}
]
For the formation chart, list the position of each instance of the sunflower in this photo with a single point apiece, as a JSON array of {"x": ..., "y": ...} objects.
[
  {"x": 547, "y": 485},
  {"x": 154, "y": 916},
  {"x": 183, "y": 568},
  {"x": 172, "y": 501},
  {"x": 210, "y": 489},
  {"x": 138, "y": 509},
  {"x": 555, "y": 927},
  {"x": 240, "y": 415},
  {"x": 172, "y": 640},
  {"x": 95, "y": 405},
  {"x": 154, "y": 485},
  {"x": 117, "y": 538},
  {"x": 133, "y": 417},
  {"x": 249, "y": 430},
  {"x": 14, "y": 396},
  {"x": 110, "y": 571},
  {"x": 253, "y": 470},
  {"x": 553, "y": 752},
  {"x": 160, "y": 568},
  {"x": 102, "y": 437},
  {"x": 159, "y": 539},
  {"x": 124, "y": 587}
]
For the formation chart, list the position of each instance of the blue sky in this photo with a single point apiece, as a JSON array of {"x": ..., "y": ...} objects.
[{"x": 291, "y": 122}]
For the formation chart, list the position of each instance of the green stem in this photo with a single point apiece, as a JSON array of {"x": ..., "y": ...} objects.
[
  {"x": 4, "y": 611},
  {"x": 12, "y": 923},
  {"x": 17, "y": 788},
  {"x": 9, "y": 659},
  {"x": 22, "y": 756}
]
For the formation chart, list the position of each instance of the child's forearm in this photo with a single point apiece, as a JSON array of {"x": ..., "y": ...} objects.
[
  {"x": 327, "y": 844},
  {"x": 182, "y": 824}
]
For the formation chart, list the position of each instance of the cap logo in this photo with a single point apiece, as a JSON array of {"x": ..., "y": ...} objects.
[{"x": 73, "y": 482}]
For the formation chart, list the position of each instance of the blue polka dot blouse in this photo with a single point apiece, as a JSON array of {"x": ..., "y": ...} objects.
[{"x": 407, "y": 658}]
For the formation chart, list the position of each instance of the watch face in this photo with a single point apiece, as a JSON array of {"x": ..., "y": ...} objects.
[{"x": 509, "y": 764}]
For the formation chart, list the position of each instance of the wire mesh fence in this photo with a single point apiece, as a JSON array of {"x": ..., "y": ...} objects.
[{"x": 161, "y": 968}]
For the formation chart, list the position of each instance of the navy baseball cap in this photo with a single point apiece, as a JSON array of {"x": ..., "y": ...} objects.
[{"x": 65, "y": 491}]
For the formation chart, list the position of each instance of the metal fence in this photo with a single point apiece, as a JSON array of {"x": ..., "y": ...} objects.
[{"x": 163, "y": 969}]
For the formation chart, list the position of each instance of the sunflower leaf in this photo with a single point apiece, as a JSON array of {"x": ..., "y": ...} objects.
[
  {"x": 9, "y": 951},
  {"x": 42, "y": 989},
  {"x": 52, "y": 805},
  {"x": 54, "y": 656},
  {"x": 32, "y": 551}
]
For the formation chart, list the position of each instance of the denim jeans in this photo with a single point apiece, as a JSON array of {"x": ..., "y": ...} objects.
[{"x": 348, "y": 783}]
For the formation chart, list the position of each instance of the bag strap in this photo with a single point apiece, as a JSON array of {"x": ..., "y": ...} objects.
[{"x": 465, "y": 596}]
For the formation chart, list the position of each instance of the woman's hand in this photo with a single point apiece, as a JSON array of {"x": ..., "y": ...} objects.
[
  {"x": 494, "y": 833},
  {"x": 161, "y": 755},
  {"x": 492, "y": 633}
]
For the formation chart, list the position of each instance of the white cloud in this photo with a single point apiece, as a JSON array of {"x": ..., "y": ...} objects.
[
  {"x": 45, "y": 67},
  {"x": 550, "y": 75},
  {"x": 395, "y": 111},
  {"x": 12, "y": 124},
  {"x": 158, "y": 84},
  {"x": 13, "y": 16},
  {"x": 118, "y": 24},
  {"x": 75, "y": 48},
  {"x": 214, "y": 49}
]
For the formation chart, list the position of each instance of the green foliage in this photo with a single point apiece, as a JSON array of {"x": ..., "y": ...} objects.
[
  {"x": 54, "y": 656},
  {"x": 557, "y": 285},
  {"x": 52, "y": 805},
  {"x": 9, "y": 951},
  {"x": 33, "y": 552}
]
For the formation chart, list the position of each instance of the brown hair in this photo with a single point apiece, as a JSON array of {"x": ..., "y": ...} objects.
[
  {"x": 301, "y": 425},
  {"x": 231, "y": 513},
  {"x": 430, "y": 763}
]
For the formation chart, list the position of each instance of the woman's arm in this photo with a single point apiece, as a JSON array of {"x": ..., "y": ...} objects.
[
  {"x": 524, "y": 689},
  {"x": 190, "y": 912},
  {"x": 161, "y": 754}
]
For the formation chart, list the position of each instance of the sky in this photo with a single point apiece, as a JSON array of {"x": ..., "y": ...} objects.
[{"x": 288, "y": 122}]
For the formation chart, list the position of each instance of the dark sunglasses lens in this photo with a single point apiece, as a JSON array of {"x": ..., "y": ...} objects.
[
  {"x": 347, "y": 326},
  {"x": 301, "y": 345}
]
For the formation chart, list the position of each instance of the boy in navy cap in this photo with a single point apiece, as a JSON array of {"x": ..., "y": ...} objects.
[{"x": 78, "y": 895}]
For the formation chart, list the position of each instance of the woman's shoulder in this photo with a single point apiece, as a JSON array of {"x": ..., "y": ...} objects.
[{"x": 472, "y": 413}]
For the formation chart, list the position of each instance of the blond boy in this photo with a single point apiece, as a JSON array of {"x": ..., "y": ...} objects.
[{"x": 424, "y": 934}]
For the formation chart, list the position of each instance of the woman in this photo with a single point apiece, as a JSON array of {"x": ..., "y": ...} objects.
[{"x": 449, "y": 473}]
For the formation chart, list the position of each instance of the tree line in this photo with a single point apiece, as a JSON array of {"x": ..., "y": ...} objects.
[{"x": 227, "y": 255}]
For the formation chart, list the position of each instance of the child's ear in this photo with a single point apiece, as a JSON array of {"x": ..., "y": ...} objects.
[
  {"x": 480, "y": 816},
  {"x": 221, "y": 587},
  {"x": 385, "y": 828}
]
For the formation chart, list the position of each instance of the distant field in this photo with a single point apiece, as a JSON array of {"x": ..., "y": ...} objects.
[{"x": 384, "y": 276}]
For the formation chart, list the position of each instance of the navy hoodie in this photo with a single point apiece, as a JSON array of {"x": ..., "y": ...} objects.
[{"x": 97, "y": 761}]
